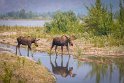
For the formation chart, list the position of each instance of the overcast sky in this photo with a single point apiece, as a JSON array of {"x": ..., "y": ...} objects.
[{"x": 42, "y": 6}]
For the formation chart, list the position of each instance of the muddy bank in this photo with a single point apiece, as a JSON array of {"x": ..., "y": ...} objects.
[
  {"x": 16, "y": 69},
  {"x": 79, "y": 48}
]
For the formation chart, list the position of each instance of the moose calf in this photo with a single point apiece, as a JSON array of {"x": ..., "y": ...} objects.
[{"x": 26, "y": 41}]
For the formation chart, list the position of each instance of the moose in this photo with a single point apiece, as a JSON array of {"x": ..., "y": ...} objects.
[
  {"x": 64, "y": 71},
  {"x": 62, "y": 41},
  {"x": 26, "y": 41}
]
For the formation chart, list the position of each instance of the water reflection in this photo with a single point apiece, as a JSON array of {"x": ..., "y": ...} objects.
[
  {"x": 106, "y": 70},
  {"x": 120, "y": 65},
  {"x": 98, "y": 70},
  {"x": 62, "y": 70}
]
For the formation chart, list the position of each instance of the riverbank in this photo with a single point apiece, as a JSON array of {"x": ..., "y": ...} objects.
[
  {"x": 81, "y": 46},
  {"x": 19, "y": 69}
]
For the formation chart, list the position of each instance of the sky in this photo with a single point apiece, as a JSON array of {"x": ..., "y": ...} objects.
[{"x": 42, "y": 6}]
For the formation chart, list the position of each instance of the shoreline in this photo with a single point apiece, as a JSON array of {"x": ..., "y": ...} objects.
[{"x": 81, "y": 50}]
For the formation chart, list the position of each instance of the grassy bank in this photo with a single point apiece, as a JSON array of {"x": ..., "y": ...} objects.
[{"x": 16, "y": 69}]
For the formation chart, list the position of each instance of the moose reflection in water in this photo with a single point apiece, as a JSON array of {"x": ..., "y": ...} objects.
[
  {"x": 64, "y": 71},
  {"x": 62, "y": 41},
  {"x": 26, "y": 41}
]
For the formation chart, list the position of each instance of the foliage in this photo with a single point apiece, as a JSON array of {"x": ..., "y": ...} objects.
[
  {"x": 102, "y": 27},
  {"x": 63, "y": 22},
  {"x": 121, "y": 17},
  {"x": 39, "y": 61},
  {"x": 98, "y": 20}
]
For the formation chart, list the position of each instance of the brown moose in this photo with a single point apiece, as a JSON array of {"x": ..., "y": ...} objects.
[
  {"x": 26, "y": 41},
  {"x": 64, "y": 71},
  {"x": 62, "y": 41}
]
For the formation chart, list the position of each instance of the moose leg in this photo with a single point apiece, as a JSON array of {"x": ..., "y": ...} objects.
[
  {"x": 67, "y": 49},
  {"x": 62, "y": 49},
  {"x": 51, "y": 63},
  {"x": 29, "y": 48},
  {"x": 62, "y": 60},
  {"x": 68, "y": 62},
  {"x": 20, "y": 52},
  {"x": 56, "y": 56},
  {"x": 16, "y": 49},
  {"x": 56, "y": 62},
  {"x": 51, "y": 48},
  {"x": 55, "y": 49}
]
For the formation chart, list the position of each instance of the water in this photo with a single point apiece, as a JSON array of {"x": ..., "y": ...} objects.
[
  {"x": 28, "y": 23},
  {"x": 83, "y": 71}
]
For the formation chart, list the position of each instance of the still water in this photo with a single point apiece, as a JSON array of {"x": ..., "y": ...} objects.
[
  {"x": 69, "y": 70},
  {"x": 28, "y": 23}
]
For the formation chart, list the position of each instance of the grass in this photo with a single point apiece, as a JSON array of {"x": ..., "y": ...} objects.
[
  {"x": 79, "y": 51},
  {"x": 26, "y": 31},
  {"x": 15, "y": 69},
  {"x": 39, "y": 61}
]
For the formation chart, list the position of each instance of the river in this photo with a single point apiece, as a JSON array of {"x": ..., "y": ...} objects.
[
  {"x": 32, "y": 23},
  {"x": 78, "y": 71}
]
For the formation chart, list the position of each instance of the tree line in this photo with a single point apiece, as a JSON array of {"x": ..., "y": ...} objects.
[{"x": 23, "y": 14}]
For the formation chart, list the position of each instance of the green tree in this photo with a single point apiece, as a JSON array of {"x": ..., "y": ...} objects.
[
  {"x": 121, "y": 18},
  {"x": 22, "y": 13},
  {"x": 98, "y": 20},
  {"x": 63, "y": 22}
]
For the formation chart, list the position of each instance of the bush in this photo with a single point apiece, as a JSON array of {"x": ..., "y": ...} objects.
[{"x": 63, "y": 22}]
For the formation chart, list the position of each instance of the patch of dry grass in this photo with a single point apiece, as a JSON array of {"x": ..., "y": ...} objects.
[{"x": 15, "y": 69}]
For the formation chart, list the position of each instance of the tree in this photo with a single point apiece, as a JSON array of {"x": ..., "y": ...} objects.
[
  {"x": 22, "y": 13},
  {"x": 63, "y": 22},
  {"x": 98, "y": 19},
  {"x": 121, "y": 18}
]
